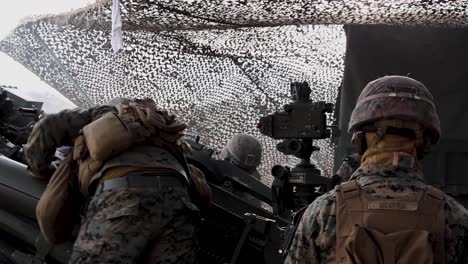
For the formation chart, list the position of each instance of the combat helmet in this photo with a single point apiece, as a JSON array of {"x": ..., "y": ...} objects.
[
  {"x": 397, "y": 102},
  {"x": 118, "y": 101},
  {"x": 243, "y": 151}
]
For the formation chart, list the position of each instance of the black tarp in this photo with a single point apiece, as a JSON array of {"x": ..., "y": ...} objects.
[{"x": 438, "y": 57}]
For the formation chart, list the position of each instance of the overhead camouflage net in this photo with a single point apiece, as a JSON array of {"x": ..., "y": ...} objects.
[{"x": 219, "y": 65}]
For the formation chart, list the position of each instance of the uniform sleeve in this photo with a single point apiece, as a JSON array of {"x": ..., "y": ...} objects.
[
  {"x": 456, "y": 232},
  {"x": 303, "y": 248},
  {"x": 315, "y": 237},
  {"x": 57, "y": 130}
]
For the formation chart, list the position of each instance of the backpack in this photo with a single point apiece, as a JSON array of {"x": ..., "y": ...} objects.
[
  {"x": 385, "y": 231},
  {"x": 59, "y": 206},
  {"x": 115, "y": 133}
]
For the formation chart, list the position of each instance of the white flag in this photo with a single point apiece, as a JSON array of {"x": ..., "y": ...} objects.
[{"x": 117, "y": 35}]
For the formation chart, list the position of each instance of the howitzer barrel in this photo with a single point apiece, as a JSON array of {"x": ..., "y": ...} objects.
[
  {"x": 30, "y": 234},
  {"x": 19, "y": 192}
]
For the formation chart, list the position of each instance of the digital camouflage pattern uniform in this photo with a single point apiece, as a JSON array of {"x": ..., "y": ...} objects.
[
  {"x": 315, "y": 239},
  {"x": 56, "y": 130},
  {"x": 121, "y": 225},
  {"x": 151, "y": 224}
]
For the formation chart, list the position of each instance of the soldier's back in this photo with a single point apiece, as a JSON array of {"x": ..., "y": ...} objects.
[{"x": 316, "y": 242}]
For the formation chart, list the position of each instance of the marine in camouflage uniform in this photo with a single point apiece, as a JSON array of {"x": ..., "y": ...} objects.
[
  {"x": 140, "y": 211},
  {"x": 391, "y": 169},
  {"x": 245, "y": 152}
]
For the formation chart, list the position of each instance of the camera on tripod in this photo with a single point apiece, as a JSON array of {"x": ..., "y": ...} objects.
[
  {"x": 301, "y": 119},
  {"x": 301, "y": 122}
]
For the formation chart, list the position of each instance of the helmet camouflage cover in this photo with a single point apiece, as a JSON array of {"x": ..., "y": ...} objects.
[
  {"x": 244, "y": 150},
  {"x": 118, "y": 101},
  {"x": 398, "y": 98}
]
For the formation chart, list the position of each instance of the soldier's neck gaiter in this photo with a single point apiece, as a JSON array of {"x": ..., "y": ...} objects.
[{"x": 391, "y": 149}]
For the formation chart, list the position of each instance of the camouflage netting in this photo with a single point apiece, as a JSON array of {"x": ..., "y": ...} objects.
[{"x": 218, "y": 64}]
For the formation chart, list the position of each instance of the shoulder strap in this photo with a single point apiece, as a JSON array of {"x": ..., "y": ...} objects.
[
  {"x": 349, "y": 189},
  {"x": 348, "y": 214},
  {"x": 432, "y": 217},
  {"x": 350, "y": 196}
]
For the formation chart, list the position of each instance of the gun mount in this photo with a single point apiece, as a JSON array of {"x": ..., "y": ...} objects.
[
  {"x": 301, "y": 122},
  {"x": 17, "y": 118}
]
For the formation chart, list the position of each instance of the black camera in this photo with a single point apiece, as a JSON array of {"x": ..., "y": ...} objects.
[
  {"x": 301, "y": 122},
  {"x": 302, "y": 118}
]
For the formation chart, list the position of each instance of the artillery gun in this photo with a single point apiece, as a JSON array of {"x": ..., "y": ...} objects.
[
  {"x": 234, "y": 230},
  {"x": 17, "y": 117}
]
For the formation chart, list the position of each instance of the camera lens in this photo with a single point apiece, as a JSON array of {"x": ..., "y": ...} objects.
[{"x": 294, "y": 146}]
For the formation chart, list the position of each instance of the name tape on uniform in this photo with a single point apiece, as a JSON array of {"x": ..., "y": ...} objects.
[{"x": 392, "y": 205}]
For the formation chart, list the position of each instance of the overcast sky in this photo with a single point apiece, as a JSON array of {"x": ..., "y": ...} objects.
[{"x": 13, "y": 73}]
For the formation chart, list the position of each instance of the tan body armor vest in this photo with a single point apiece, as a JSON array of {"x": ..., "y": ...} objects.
[
  {"x": 109, "y": 143},
  {"x": 387, "y": 231},
  {"x": 139, "y": 157}
]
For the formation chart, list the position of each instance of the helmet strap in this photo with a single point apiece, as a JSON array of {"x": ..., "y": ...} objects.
[
  {"x": 359, "y": 141},
  {"x": 382, "y": 127},
  {"x": 381, "y": 131}
]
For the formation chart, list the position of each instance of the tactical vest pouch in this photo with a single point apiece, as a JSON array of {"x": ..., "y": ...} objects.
[
  {"x": 367, "y": 245},
  {"x": 59, "y": 204},
  {"x": 87, "y": 166},
  {"x": 107, "y": 137},
  {"x": 86, "y": 170},
  {"x": 79, "y": 148},
  {"x": 405, "y": 230},
  {"x": 200, "y": 191}
]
